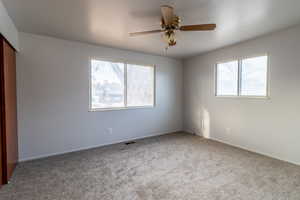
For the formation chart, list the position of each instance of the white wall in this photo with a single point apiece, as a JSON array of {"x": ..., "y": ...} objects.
[
  {"x": 270, "y": 126},
  {"x": 7, "y": 27},
  {"x": 53, "y": 98}
]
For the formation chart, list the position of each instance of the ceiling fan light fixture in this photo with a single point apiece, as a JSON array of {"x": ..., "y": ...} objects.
[
  {"x": 170, "y": 23},
  {"x": 170, "y": 38}
]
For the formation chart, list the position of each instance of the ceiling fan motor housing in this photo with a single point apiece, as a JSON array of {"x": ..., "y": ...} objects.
[
  {"x": 170, "y": 30},
  {"x": 172, "y": 26}
]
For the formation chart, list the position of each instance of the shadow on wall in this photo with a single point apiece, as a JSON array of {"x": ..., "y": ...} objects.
[
  {"x": 205, "y": 123},
  {"x": 201, "y": 123}
]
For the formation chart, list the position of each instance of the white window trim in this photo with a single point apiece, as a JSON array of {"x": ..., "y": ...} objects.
[
  {"x": 91, "y": 109},
  {"x": 239, "y": 96}
]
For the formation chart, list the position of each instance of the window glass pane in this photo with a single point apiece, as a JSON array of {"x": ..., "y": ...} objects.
[
  {"x": 227, "y": 79},
  {"x": 140, "y": 85},
  {"x": 254, "y": 76},
  {"x": 107, "y": 82}
]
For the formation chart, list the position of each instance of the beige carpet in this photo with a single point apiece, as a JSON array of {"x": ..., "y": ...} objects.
[{"x": 175, "y": 166}]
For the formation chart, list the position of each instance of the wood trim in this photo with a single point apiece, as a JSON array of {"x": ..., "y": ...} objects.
[
  {"x": 3, "y": 122},
  {"x": 1, "y": 114},
  {"x": 8, "y": 110}
]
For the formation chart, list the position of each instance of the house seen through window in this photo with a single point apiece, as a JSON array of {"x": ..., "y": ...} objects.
[{"x": 121, "y": 85}]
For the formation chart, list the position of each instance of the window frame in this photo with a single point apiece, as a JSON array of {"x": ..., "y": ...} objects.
[
  {"x": 239, "y": 96},
  {"x": 125, "y": 62}
]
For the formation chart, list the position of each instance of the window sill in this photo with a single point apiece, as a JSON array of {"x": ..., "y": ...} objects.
[
  {"x": 245, "y": 97},
  {"x": 121, "y": 108}
]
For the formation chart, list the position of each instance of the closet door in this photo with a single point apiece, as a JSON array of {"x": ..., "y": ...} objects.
[
  {"x": 9, "y": 112},
  {"x": 1, "y": 160},
  {"x": 1, "y": 113}
]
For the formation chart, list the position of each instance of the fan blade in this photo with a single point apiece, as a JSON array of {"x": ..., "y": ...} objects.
[
  {"x": 167, "y": 14},
  {"x": 145, "y": 32},
  {"x": 199, "y": 27}
]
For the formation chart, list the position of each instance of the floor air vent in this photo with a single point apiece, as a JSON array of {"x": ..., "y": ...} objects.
[{"x": 131, "y": 142}]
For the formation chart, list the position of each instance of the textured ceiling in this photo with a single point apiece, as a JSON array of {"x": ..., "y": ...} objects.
[{"x": 107, "y": 22}]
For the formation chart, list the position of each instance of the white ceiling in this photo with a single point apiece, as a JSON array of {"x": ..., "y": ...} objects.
[{"x": 107, "y": 22}]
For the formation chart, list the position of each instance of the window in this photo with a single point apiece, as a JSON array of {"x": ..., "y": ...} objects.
[
  {"x": 247, "y": 77},
  {"x": 140, "y": 85},
  {"x": 254, "y": 76},
  {"x": 116, "y": 85},
  {"x": 107, "y": 84},
  {"x": 227, "y": 78}
]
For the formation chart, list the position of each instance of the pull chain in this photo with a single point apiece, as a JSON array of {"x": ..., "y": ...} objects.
[{"x": 166, "y": 49}]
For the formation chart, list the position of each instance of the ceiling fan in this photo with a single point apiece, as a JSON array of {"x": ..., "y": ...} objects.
[{"x": 171, "y": 23}]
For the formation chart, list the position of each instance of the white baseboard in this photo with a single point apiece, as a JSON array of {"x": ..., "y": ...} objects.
[
  {"x": 96, "y": 146},
  {"x": 254, "y": 151}
]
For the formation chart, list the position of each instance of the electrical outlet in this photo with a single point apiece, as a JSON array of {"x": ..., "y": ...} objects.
[{"x": 228, "y": 130}]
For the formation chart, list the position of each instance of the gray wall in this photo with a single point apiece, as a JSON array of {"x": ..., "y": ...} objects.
[
  {"x": 269, "y": 126},
  {"x": 8, "y": 28},
  {"x": 53, "y": 98}
]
